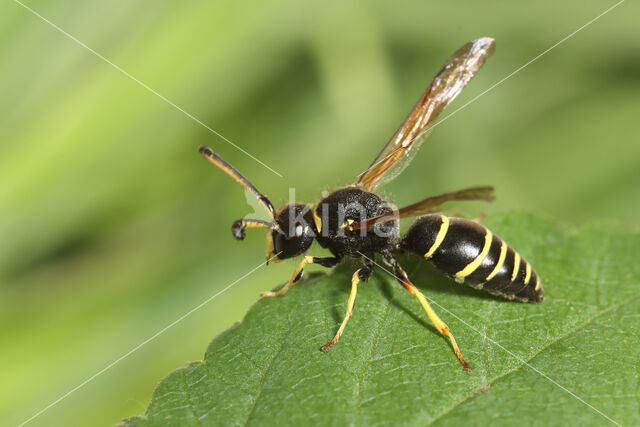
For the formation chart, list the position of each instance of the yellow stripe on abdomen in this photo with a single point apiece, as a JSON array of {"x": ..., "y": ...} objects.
[
  {"x": 503, "y": 256},
  {"x": 471, "y": 267},
  {"x": 516, "y": 266},
  {"x": 439, "y": 237},
  {"x": 527, "y": 276}
]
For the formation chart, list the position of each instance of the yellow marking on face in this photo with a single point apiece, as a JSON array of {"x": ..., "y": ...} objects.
[
  {"x": 537, "y": 283},
  {"x": 439, "y": 237},
  {"x": 318, "y": 221},
  {"x": 501, "y": 258},
  {"x": 473, "y": 265},
  {"x": 527, "y": 276},
  {"x": 516, "y": 267}
]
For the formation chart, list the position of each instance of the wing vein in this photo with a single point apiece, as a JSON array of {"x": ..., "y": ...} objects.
[{"x": 445, "y": 86}]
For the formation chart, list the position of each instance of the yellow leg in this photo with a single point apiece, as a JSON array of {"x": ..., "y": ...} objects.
[
  {"x": 352, "y": 300},
  {"x": 295, "y": 277},
  {"x": 297, "y": 273},
  {"x": 437, "y": 322}
]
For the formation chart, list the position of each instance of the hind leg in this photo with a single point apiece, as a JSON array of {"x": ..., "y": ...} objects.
[{"x": 402, "y": 278}]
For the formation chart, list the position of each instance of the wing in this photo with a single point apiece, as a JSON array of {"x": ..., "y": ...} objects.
[
  {"x": 445, "y": 86},
  {"x": 429, "y": 205}
]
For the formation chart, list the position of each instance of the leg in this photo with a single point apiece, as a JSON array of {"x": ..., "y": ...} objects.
[
  {"x": 362, "y": 274},
  {"x": 297, "y": 273},
  {"x": 437, "y": 322}
]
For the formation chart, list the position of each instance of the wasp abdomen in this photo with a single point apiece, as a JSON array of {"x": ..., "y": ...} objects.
[{"x": 469, "y": 252}]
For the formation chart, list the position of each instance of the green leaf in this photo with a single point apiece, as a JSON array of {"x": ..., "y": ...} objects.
[{"x": 572, "y": 359}]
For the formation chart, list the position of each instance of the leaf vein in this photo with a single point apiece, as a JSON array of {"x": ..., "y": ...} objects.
[{"x": 534, "y": 355}]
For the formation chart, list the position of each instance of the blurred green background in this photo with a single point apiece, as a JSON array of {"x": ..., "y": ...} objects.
[{"x": 113, "y": 226}]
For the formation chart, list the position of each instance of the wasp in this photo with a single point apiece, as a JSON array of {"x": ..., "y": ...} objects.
[{"x": 355, "y": 222}]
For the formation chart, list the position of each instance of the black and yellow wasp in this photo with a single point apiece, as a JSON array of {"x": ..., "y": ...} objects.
[{"x": 353, "y": 221}]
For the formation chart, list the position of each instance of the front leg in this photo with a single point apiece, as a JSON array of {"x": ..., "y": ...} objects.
[{"x": 328, "y": 262}]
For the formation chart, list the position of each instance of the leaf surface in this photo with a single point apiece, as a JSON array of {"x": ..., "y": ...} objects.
[{"x": 572, "y": 359}]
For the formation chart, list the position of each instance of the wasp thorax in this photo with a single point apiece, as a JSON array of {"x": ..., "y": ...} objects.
[
  {"x": 295, "y": 231},
  {"x": 339, "y": 212}
]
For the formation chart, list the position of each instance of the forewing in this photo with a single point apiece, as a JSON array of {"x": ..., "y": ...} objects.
[
  {"x": 445, "y": 86},
  {"x": 430, "y": 205}
]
